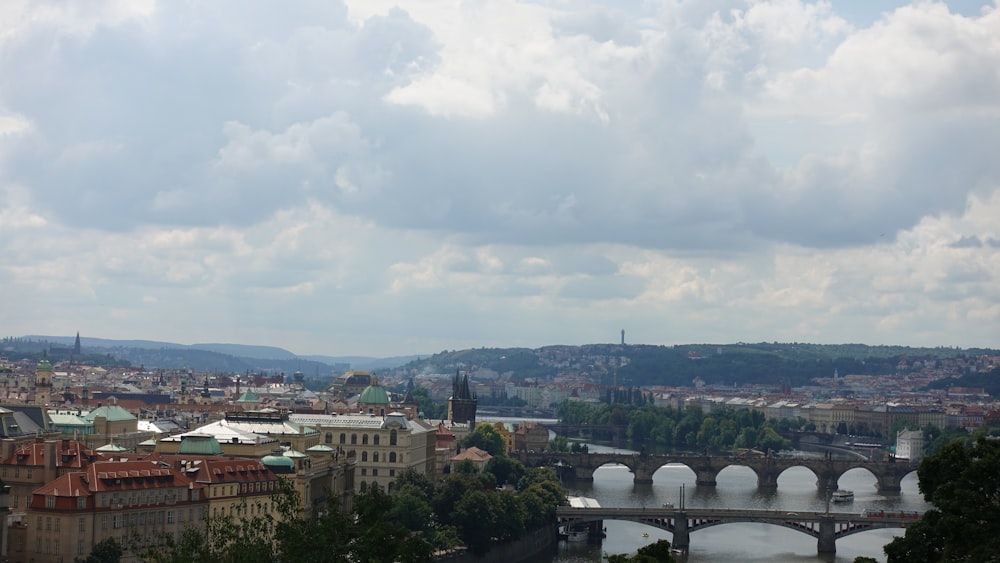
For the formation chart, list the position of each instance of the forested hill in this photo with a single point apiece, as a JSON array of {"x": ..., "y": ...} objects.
[{"x": 726, "y": 364}]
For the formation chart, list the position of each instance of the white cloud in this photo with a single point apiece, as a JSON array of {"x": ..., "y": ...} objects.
[{"x": 404, "y": 177}]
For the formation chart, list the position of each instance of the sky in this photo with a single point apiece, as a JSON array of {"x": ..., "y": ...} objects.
[{"x": 372, "y": 177}]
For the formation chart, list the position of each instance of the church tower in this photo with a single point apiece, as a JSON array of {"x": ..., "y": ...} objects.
[
  {"x": 462, "y": 403},
  {"x": 43, "y": 382}
]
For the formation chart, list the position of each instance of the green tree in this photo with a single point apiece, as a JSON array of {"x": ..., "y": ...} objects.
[
  {"x": 506, "y": 470},
  {"x": 486, "y": 438},
  {"x": 107, "y": 550},
  {"x": 961, "y": 482}
]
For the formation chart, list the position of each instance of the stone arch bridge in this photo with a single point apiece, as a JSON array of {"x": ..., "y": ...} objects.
[{"x": 581, "y": 466}]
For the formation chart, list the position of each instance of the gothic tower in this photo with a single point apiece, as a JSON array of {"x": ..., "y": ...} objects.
[{"x": 462, "y": 403}]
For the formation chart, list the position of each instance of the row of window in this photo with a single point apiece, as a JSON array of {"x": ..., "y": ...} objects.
[
  {"x": 252, "y": 487},
  {"x": 375, "y": 457},
  {"x": 393, "y": 437},
  {"x": 364, "y": 472}
]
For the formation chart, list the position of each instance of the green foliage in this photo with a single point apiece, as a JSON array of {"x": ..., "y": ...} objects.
[
  {"x": 657, "y": 552},
  {"x": 961, "y": 482},
  {"x": 431, "y": 409},
  {"x": 107, "y": 550},
  {"x": 658, "y": 428},
  {"x": 505, "y": 470},
  {"x": 487, "y": 438}
]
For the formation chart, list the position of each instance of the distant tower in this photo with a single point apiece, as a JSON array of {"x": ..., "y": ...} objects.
[
  {"x": 43, "y": 382},
  {"x": 623, "y": 337},
  {"x": 462, "y": 403},
  {"x": 76, "y": 345}
]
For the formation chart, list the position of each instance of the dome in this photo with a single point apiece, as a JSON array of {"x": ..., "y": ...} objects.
[
  {"x": 278, "y": 463},
  {"x": 43, "y": 365},
  {"x": 374, "y": 394}
]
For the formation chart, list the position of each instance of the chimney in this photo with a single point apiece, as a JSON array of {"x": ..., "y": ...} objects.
[
  {"x": 51, "y": 449},
  {"x": 9, "y": 445}
]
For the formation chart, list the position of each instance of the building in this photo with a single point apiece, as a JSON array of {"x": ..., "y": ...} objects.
[
  {"x": 910, "y": 445},
  {"x": 383, "y": 446},
  {"x": 144, "y": 499},
  {"x": 531, "y": 437},
  {"x": 26, "y": 467},
  {"x": 462, "y": 403}
]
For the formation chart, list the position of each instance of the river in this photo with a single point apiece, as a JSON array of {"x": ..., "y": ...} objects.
[{"x": 737, "y": 488}]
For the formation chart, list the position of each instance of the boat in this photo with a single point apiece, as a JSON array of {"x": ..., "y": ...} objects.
[
  {"x": 645, "y": 534},
  {"x": 840, "y": 495},
  {"x": 574, "y": 533},
  {"x": 668, "y": 505}
]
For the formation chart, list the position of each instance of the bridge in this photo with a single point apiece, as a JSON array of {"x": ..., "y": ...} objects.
[
  {"x": 826, "y": 527},
  {"x": 581, "y": 466}
]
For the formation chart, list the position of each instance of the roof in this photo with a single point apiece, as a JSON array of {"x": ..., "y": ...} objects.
[
  {"x": 472, "y": 453},
  {"x": 201, "y": 444},
  {"x": 374, "y": 394},
  {"x": 248, "y": 396},
  {"x": 111, "y": 413}
]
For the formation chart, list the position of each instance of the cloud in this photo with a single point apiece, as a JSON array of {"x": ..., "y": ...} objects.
[{"x": 765, "y": 170}]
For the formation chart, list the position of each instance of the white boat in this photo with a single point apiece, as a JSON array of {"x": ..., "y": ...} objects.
[{"x": 840, "y": 495}]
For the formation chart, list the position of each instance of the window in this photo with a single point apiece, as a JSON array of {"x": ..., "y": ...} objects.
[
  {"x": 375, "y": 457},
  {"x": 343, "y": 438},
  {"x": 392, "y": 438},
  {"x": 364, "y": 471},
  {"x": 81, "y": 503},
  {"x": 81, "y": 525},
  {"x": 354, "y": 440},
  {"x": 104, "y": 522},
  {"x": 170, "y": 517},
  {"x": 364, "y": 456},
  {"x": 375, "y": 439},
  {"x": 329, "y": 438},
  {"x": 374, "y": 472},
  {"x": 392, "y": 457},
  {"x": 364, "y": 439},
  {"x": 392, "y": 473},
  {"x": 48, "y": 522}
]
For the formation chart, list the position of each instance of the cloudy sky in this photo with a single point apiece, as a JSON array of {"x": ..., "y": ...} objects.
[{"x": 380, "y": 177}]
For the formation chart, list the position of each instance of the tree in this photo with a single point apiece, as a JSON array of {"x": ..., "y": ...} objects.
[
  {"x": 487, "y": 438},
  {"x": 657, "y": 552},
  {"x": 961, "y": 482},
  {"x": 107, "y": 550}
]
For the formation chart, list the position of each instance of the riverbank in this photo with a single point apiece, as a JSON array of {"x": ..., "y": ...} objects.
[{"x": 531, "y": 546}]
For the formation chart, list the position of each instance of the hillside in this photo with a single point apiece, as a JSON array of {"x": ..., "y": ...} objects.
[{"x": 728, "y": 364}]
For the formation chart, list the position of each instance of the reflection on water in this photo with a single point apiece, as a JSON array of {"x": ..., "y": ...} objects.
[{"x": 737, "y": 488}]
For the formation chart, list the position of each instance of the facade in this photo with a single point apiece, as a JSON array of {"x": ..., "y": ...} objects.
[
  {"x": 531, "y": 437},
  {"x": 116, "y": 499},
  {"x": 26, "y": 467},
  {"x": 910, "y": 445},
  {"x": 383, "y": 447}
]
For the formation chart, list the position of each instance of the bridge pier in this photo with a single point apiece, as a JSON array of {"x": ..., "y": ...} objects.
[
  {"x": 583, "y": 473},
  {"x": 642, "y": 476},
  {"x": 889, "y": 483},
  {"x": 827, "y": 542},
  {"x": 767, "y": 478},
  {"x": 705, "y": 477},
  {"x": 681, "y": 534}
]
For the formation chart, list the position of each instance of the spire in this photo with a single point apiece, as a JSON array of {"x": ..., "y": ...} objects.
[{"x": 76, "y": 345}]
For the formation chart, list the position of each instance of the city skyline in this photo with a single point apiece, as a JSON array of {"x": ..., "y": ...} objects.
[{"x": 379, "y": 178}]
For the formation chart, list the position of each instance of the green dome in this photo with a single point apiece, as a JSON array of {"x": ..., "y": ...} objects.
[
  {"x": 279, "y": 463},
  {"x": 374, "y": 394},
  {"x": 44, "y": 365}
]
